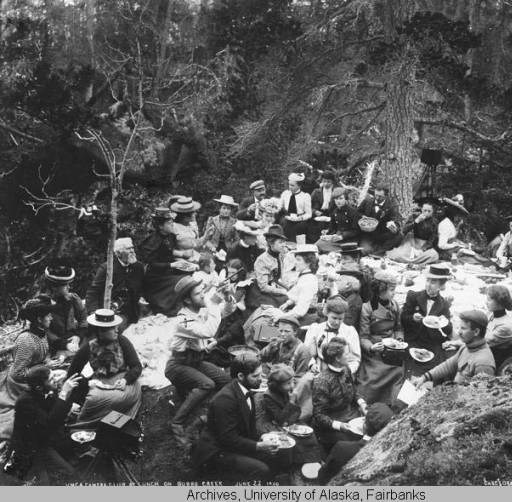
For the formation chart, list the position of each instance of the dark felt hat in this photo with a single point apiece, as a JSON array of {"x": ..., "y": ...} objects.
[{"x": 275, "y": 231}]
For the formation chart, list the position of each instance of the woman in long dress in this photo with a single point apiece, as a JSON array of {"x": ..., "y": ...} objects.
[
  {"x": 380, "y": 318},
  {"x": 31, "y": 350},
  {"x": 114, "y": 384},
  {"x": 162, "y": 274},
  {"x": 420, "y": 237}
]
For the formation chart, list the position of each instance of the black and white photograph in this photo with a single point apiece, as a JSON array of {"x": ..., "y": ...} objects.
[{"x": 263, "y": 244}]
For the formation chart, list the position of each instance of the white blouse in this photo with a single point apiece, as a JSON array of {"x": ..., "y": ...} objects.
[
  {"x": 446, "y": 230},
  {"x": 303, "y": 294}
]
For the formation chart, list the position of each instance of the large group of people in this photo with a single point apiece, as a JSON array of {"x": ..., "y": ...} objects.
[{"x": 251, "y": 281}]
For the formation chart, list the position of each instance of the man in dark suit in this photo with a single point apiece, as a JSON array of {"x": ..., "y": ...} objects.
[
  {"x": 229, "y": 445},
  {"x": 387, "y": 234},
  {"x": 420, "y": 304},
  {"x": 248, "y": 208},
  {"x": 127, "y": 284}
]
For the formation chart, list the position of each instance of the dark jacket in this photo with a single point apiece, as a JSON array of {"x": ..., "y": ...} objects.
[
  {"x": 231, "y": 426},
  {"x": 426, "y": 230},
  {"x": 334, "y": 398},
  {"x": 247, "y": 255},
  {"x": 37, "y": 421},
  {"x": 279, "y": 410},
  {"x": 131, "y": 360},
  {"x": 353, "y": 314},
  {"x": 344, "y": 221},
  {"x": 387, "y": 212},
  {"x": 416, "y": 333},
  {"x": 317, "y": 201},
  {"x": 243, "y": 213},
  {"x": 68, "y": 319},
  {"x": 156, "y": 252},
  {"x": 126, "y": 290}
]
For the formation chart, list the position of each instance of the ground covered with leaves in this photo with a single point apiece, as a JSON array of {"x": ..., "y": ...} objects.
[{"x": 456, "y": 435}]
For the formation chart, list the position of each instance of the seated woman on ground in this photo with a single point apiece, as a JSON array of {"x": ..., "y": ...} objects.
[
  {"x": 380, "y": 318},
  {"x": 344, "y": 223},
  {"x": 185, "y": 229},
  {"x": 31, "y": 350},
  {"x": 335, "y": 400},
  {"x": 114, "y": 369},
  {"x": 420, "y": 237},
  {"x": 219, "y": 231},
  {"x": 69, "y": 318},
  {"x": 302, "y": 296}
]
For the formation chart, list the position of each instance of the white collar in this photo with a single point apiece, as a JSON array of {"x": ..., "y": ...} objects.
[
  {"x": 243, "y": 244},
  {"x": 333, "y": 368},
  {"x": 244, "y": 390}
]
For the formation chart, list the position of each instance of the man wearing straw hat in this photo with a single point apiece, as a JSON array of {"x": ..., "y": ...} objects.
[
  {"x": 219, "y": 231},
  {"x": 296, "y": 208},
  {"x": 420, "y": 304},
  {"x": 249, "y": 207}
]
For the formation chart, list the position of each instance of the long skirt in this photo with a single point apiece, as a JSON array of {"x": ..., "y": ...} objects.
[
  {"x": 411, "y": 251},
  {"x": 100, "y": 402},
  {"x": 159, "y": 291},
  {"x": 10, "y": 390},
  {"x": 378, "y": 381}
]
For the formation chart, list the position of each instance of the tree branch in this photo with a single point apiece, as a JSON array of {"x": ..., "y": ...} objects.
[
  {"x": 461, "y": 126},
  {"x": 17, "y": 132}
]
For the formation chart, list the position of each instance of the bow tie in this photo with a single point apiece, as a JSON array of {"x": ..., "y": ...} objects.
[
  {"x": 249, "y": 394},
  {"x": 433, "y": 298},
  {"x": 328, "y": 329}
]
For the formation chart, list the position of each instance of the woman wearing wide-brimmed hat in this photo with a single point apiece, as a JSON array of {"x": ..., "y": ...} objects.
[
  {"x": 380, "y": 318},
  {"x": 185, "y": 229},
  {"x": 162, "y": 272},
  {"x": 69, "y": 321},
  {"x": 31, "y": 350},
  {"x": 115, "y": 365},
  {"x": 219, "y": 231}
]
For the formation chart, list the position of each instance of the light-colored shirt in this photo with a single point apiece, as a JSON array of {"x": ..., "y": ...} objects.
[
  {"x": 446, "y": 231},
  {"x": 317, "y": 336},
  {"x": 326, "y": 195},
  {"x": 303, "y": 294},
  {"x": 303, "y": 201},
  {"x": 505, "y": 245},
  {"x": 194, "y": 330}
]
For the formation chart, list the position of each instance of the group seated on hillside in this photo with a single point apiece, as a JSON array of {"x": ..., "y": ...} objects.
[{"x": 267, "y": 332}]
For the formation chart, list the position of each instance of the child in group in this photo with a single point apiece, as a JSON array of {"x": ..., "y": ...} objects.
[{"x": 207, "y": 272}]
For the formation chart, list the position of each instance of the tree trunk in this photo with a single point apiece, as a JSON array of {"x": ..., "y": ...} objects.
[
  {"x": 112, "y": 235},
  {"x": 401, "y": 167}
]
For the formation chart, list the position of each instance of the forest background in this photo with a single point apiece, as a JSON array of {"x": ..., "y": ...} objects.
[{"x": 201, "y": 97}]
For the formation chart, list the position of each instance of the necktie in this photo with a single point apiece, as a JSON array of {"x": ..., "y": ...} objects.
[
  {"x": 249, "y": 399},
  {"x": 292, "y": 206}
]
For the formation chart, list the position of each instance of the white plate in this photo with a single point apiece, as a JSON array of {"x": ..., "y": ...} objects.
[
  {"x": 310, "y": 470},
  {"x": 391, "y": 343},
  {"x": 281, "y": 438},
  {"x": 83, "y": 436},
  {"x": 299, "y": 430},
  {"x": 322, "y": 218},
  {"x": 435, "y": 322},
  {"x": 356, "y": 426},
  {"x": 415, "y": 355}
]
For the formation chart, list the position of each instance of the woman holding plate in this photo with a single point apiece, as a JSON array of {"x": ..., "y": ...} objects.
[
  {"x": 380, "y": 318},
  {"x": 115, "y": 367},
  {"x": 343, "y": 224}
]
